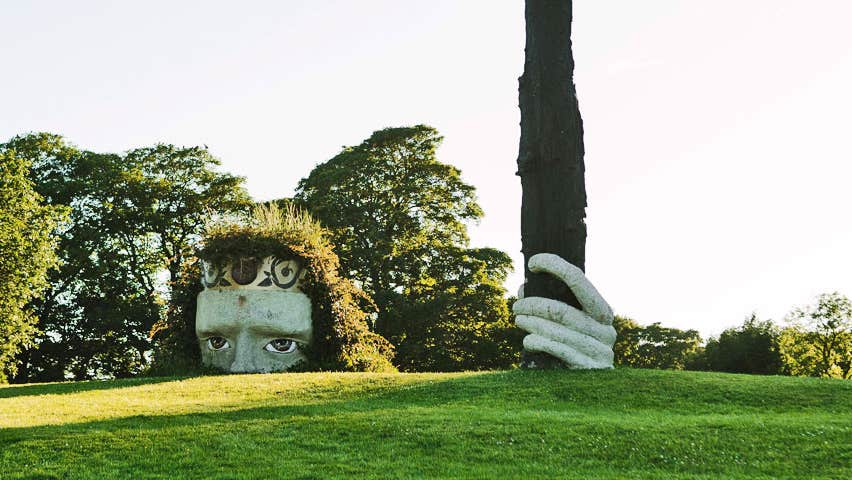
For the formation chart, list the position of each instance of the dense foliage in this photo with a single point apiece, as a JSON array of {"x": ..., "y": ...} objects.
[
  {"x": 391, "y": 206},
  {"x": 397, "y": 216},
  {"x": 653, "y": 346},
  {"x": 175, "y": 346},
  {"x": 750, "y": 348},
  {"x": 27, "y": 250},
  {"x": 132, "y": 216},
  {"x": 818, "y": 342},
  {"x": 341, "y": 337},
  {"x": 455, "y": 317}
]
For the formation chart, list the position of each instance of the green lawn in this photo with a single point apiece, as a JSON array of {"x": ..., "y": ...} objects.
[{"x": 519, "y": 424}]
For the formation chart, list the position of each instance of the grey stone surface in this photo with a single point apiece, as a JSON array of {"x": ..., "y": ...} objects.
[
  {"x": 260, "y": 326},
  {"x": 579, "y": 338}
]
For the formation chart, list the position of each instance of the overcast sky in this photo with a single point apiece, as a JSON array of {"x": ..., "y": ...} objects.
[{"x": 717, "y": 132}]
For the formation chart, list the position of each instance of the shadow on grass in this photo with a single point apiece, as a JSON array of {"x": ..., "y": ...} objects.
[
  {"x": 62, "y": 388},
  {"x": 401, "y": 396},
  {"x": 616, "y": 392}
]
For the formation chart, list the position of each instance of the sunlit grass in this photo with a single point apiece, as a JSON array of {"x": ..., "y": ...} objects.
[{"x": 606, "y": 424}]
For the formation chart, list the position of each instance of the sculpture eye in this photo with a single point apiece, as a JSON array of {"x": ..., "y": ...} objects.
[
  {"x": 217, "y": 343},
  {"x": 281, "y": 345}
]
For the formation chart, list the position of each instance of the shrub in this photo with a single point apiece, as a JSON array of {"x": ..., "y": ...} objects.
[{"x": 749, "y": 348}]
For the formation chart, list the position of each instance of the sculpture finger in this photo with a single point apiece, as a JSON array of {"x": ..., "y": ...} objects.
[
  {"x": 566, "y": 315},
  {"x": 570, "y": 356},
  {"x": 586, "y": 293},
  {"x": 584, "y": 344}
]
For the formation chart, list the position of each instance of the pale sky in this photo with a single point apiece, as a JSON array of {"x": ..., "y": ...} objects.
[{"x": 717, "y": 132}]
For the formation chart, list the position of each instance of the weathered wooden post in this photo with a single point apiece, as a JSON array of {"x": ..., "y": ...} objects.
[{"x": 550, "y": 158}]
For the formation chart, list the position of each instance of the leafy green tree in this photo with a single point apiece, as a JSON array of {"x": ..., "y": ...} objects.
[
  {"x": 96, "y": 312},
  {"x": 27, "y": 249},
  {"x": 653, "y": 346},
  {"x": 799, "y": 355},
  {"x": 626, "y": 340},
  {"x": 398, "y": 217},
  {"x": 749, "y": 348},
  {"x": 170, "y": 192},
  {"x": 391, "y": 205},
  {"x": 455, "y": 317},
  {"x": 133, "y": 216},
  {"x": 818, "y": 342}
]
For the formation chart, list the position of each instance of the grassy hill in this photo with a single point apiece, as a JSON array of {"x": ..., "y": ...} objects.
[{"x": 519, "y": 424}]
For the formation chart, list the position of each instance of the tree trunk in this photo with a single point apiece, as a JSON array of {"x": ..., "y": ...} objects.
[
  {"x": 23, "y": 375},
  {"x": 550, "y": 158}
]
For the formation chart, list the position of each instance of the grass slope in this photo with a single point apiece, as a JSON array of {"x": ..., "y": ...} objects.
[{"x": 519, "y": 424}]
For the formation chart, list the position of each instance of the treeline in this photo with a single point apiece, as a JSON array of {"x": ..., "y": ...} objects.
[
  {"x": 815, "y": 341},
  {"x": 127, "y": 224},
  {"x": 100, "y": 252},
  {"x": 99, "y": 271}
]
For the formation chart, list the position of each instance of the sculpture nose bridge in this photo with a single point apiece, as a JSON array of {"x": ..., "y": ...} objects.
[{"x": 243, "y": 359}]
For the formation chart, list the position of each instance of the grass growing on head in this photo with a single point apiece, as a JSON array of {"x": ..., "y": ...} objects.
[
  {"x": 271, "y": 218},
  {"x": 269, "y": 230}
]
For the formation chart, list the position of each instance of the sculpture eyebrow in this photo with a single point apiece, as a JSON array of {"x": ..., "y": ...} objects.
[
  {"x": 218, "y": 327},
  {"x": 217, "y": 330}
]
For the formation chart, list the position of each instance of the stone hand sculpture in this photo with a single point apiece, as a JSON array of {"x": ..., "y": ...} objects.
[{"x": 579, "y": 338}]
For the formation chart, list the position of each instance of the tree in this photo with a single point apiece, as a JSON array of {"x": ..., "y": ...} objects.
[
  {"x": 172, "y": 191},
  {"x": 455, "y": 317},
  {"x": 653, "y": 346},
  {"x": 132, "y": 217},
  {"x": 818, "y": 341},
  {"x": 397, "y": 216},
  {"x": 101, "y": 301},
  {"x": 749, "y": 348},
  {"x": 391, "y": 205},
  {"x": 626, "y": 340},
  {"x": 550, "y": 157},
  {"x": 27, "y": 249}
]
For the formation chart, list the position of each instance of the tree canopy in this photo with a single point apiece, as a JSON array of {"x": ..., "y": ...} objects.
[
  {"x": 398, "y": 219},
  {"x": 390, "y": 205},
  {"x": 818, "y": 340},
  {"x": 455, "y": 317},
  {"x": 750, "y": 348},
  {"x": 27, "y": 249},
  {"x": 653, "y": 346},
  {"x": 132, "y": 216}
]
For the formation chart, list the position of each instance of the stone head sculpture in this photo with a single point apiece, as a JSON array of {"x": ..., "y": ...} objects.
[
  {"x": 273, "y": 300},
  {"x": 252, "y": 315}
]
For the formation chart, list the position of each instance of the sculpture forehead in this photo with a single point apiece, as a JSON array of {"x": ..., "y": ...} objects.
[{"x": 287, "y": 313}]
